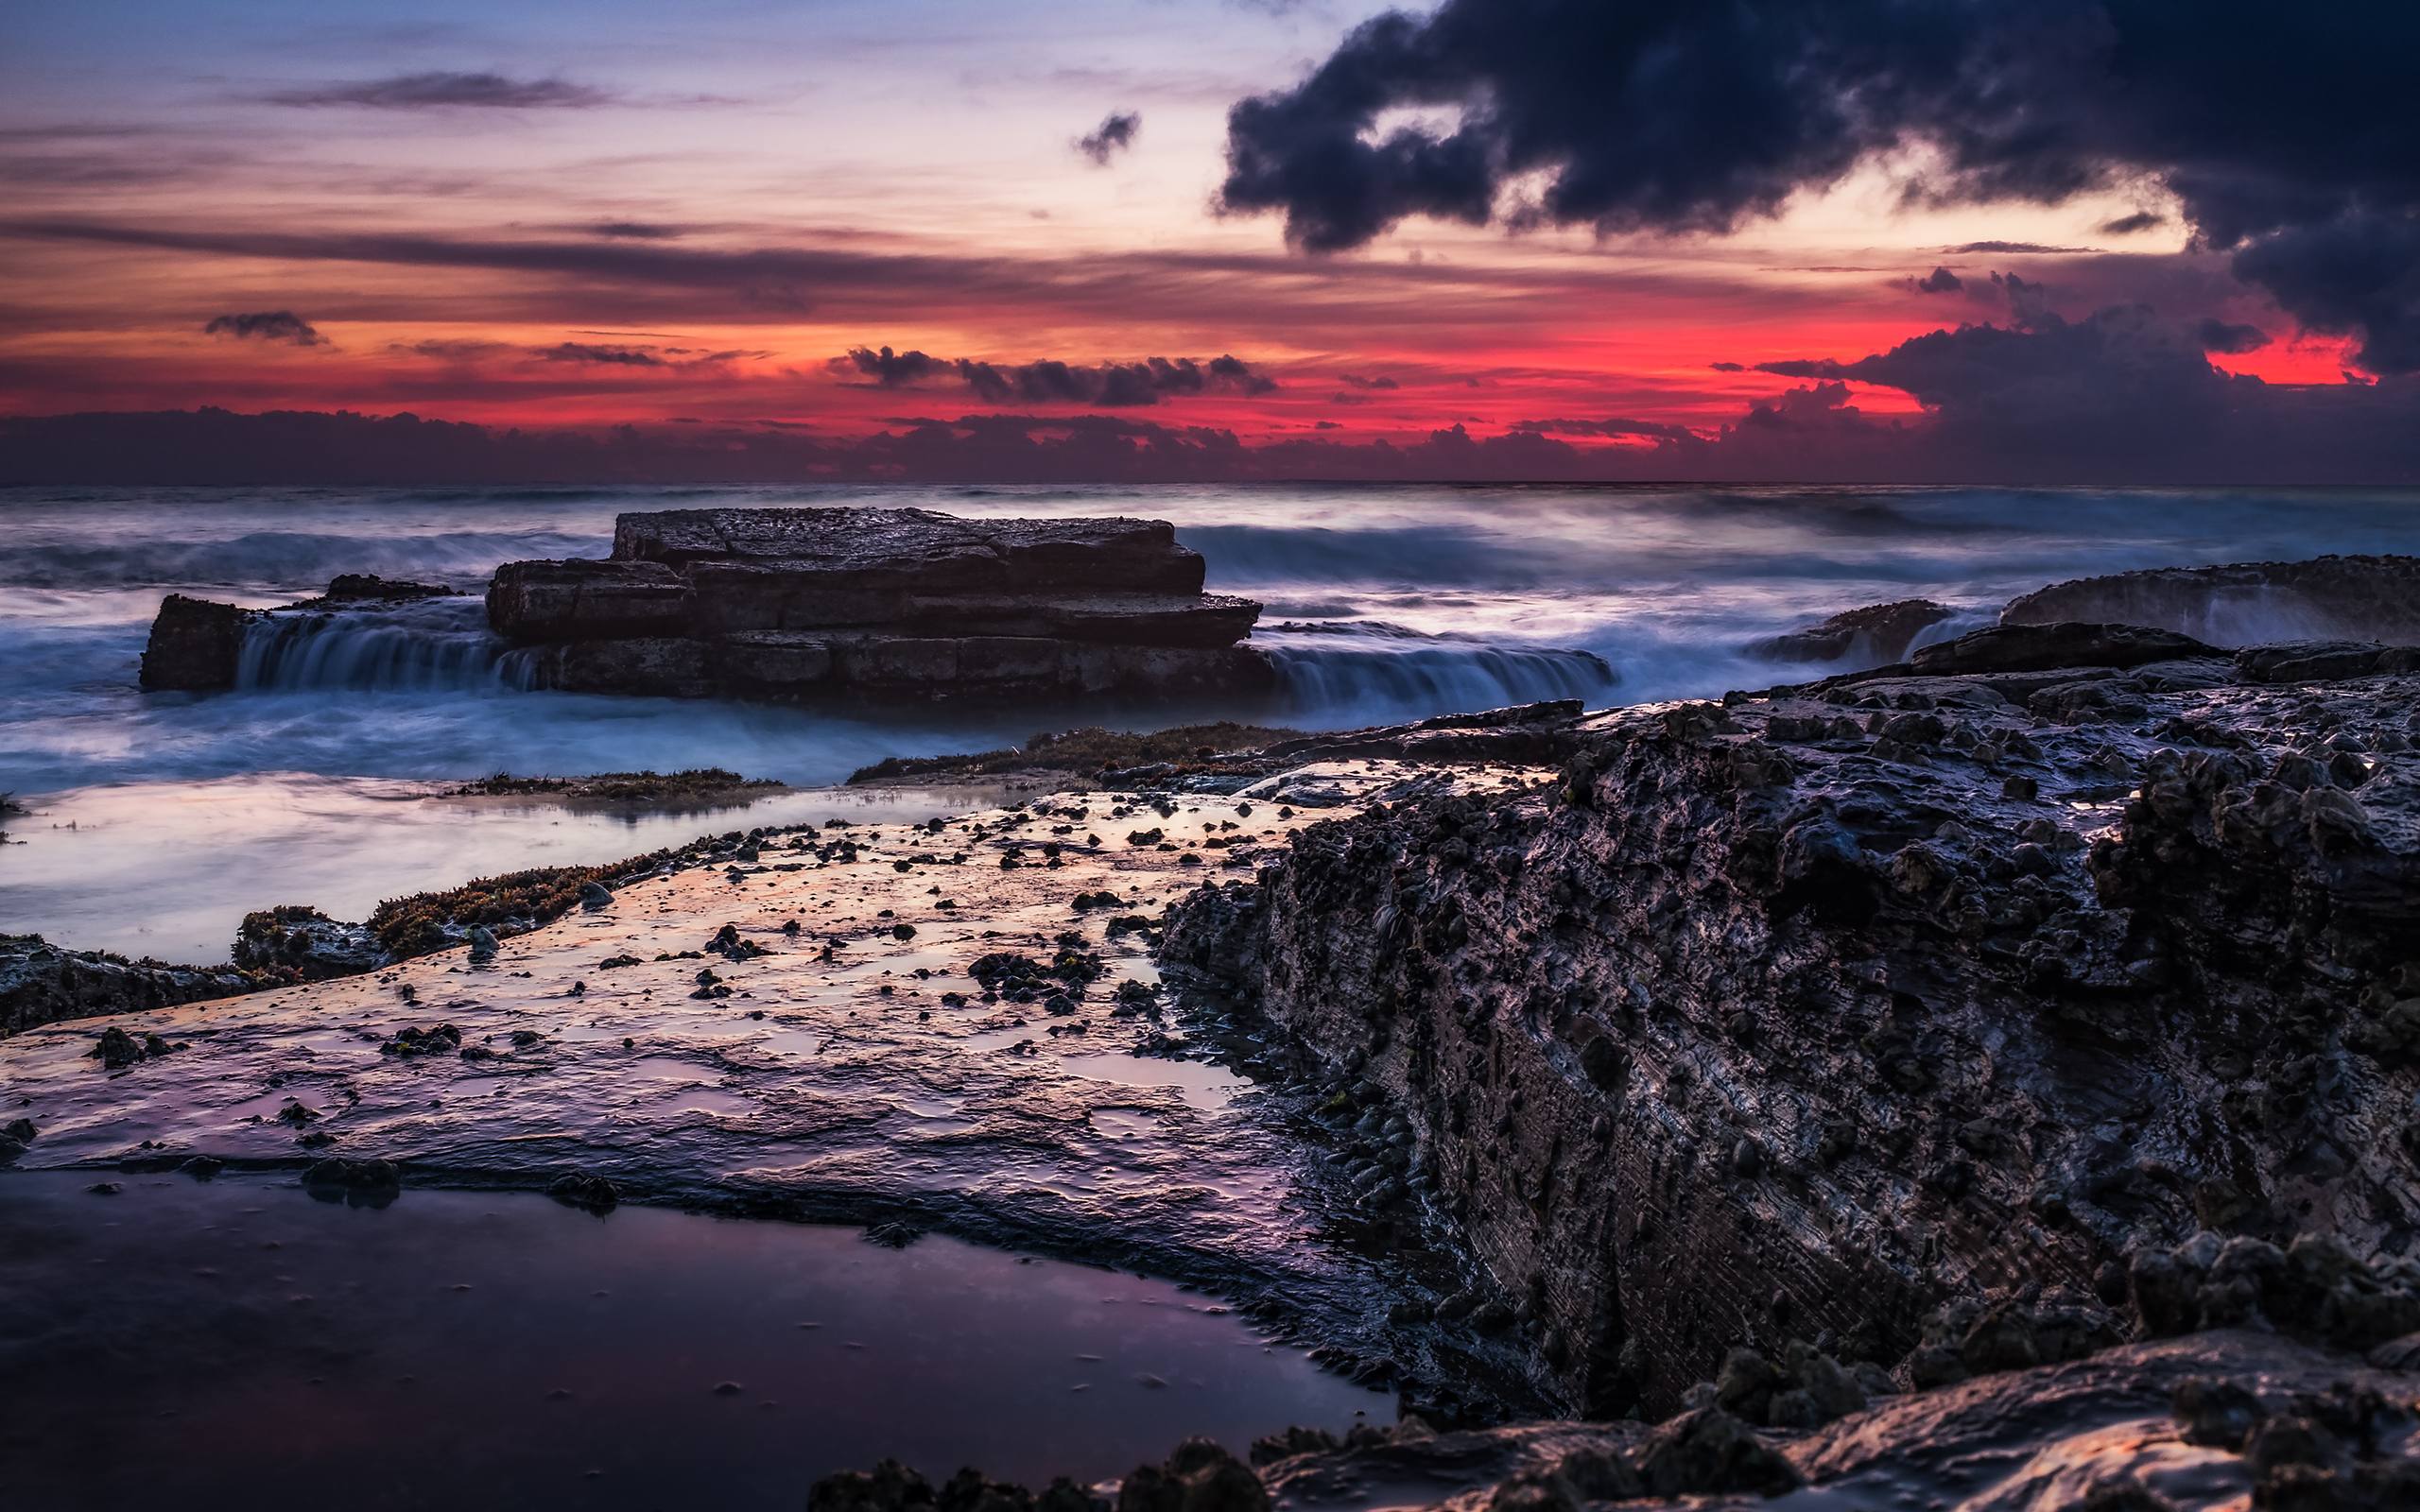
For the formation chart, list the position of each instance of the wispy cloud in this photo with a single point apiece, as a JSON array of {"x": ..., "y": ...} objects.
[{"x": 446, "y": 90}]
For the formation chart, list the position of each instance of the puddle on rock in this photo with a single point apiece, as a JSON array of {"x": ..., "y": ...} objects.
[{"x": 184, "y": 1343}]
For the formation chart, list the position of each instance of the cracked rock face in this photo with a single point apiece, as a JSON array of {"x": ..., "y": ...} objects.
[{"x": 1804, "y": 1016}]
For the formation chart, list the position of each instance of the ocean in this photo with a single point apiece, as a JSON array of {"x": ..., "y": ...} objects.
[{"x": 158, "y": 819}]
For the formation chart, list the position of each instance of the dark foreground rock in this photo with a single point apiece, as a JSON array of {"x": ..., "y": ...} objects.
[
  {"x": 880, "y": 604},
  {"x": 2368, "y": 599},
  {"x": 1935, "y": 1018},
  {"x": 2221, "y": 1419}
]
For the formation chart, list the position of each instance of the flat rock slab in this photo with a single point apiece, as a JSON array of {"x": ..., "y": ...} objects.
[{"x": 891, "y": 544}]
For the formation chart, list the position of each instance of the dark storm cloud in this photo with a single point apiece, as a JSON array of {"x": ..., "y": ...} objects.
[
  {"x": 1728, "y": 367},
  {"x": 2141, "y": 220},
  {"x": 1111, "y": 384},
  {"x": 2119, "y": 395},
  {"x": 283, "y": 326},
  {"x": 2287, "y": 137},
  {"x": 1115, "y": 133},
  {"x": 2214, "y": 335},
  {"x": 446, "y": 90},
  {"x": 1940, "y": 280}
]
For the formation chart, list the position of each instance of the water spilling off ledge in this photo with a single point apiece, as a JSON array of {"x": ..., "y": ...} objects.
[{"x": 435, "y": 646}]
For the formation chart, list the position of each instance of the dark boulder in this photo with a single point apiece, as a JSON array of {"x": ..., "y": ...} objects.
[
  {"x": 195, "y": 647},
  {"x": 1875, "y": 634}
]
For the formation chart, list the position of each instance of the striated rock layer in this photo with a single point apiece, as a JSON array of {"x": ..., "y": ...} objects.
[
  {"x": 1807, "y": 1014},
  {"x": 880, "y": 604}
]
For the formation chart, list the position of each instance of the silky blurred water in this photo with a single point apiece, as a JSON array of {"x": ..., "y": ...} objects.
[{"x": 1383, "y": 603}]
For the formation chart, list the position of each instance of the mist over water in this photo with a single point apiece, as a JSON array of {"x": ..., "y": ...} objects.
[{"x": 1383, "y": 603}]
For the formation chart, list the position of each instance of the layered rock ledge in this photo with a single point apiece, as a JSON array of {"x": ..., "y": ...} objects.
[{"x": 855, "y": 603}]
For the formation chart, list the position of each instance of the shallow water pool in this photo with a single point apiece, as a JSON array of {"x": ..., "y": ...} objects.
[{"x": 237, "y": 1343}]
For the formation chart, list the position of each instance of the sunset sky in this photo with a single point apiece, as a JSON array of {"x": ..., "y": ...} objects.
[{"x": 552, "y": 215}]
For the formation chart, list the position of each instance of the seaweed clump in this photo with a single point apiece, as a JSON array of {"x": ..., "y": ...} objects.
[
  {"x": 1184, "y": 749},
  {"x": 514, "y": 902}
]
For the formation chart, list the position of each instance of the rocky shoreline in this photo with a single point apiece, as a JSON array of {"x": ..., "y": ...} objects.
[{"x": 1989, "y": 1077}]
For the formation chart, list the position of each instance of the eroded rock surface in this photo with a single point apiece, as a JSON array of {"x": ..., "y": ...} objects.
[
  {"x": 1812, "y": 1013},
  {"x": 880, "y": 603}
]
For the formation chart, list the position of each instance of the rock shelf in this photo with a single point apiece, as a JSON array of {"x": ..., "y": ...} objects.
[{"x": 880, "y": 604}]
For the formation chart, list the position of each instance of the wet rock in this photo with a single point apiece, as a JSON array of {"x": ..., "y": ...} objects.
[
  {"x": 483, "y": 944},
  {"x": 2221, "y": 1414},
  {"x": 2033, "y": 646},
  {"x": 595, "y": 895},
  {"x": 347, "y": 588},
  {"x": 356, "y": 1182},
  {"x": 732, "y": 946},
  {"x": 41, "y": 983},
  {"x": 300, "y": 943},
  {"x": 580, "y": 1189},
  {"x": 1707, "y": 1453},
  {"x": 194, "y": 646},
  {"x": 1199, "y": 1477},
  {"x": 1875, "y": 634},
  {"x": 409, "y": 1041},
  {"x": 115, "y": 1049}
]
